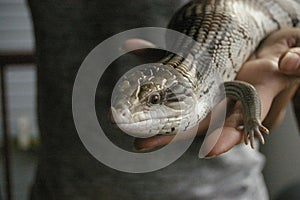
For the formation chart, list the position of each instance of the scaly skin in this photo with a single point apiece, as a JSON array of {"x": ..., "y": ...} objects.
[{"x": 175, "y": 94}]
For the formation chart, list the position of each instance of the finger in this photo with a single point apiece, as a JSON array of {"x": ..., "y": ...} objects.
[
  {"x": 289, "y": 62},
  {"x": 141, "y": 144},
  {"x": 267, "y": 87},
  {"x": 144, "y": 49},
  {"x": 135, "y": 43},
  {"x": 229, "y": 138},
  {"x": 279, "y": 42},
  {"x": 145, "y": 144},
  {"x": 231, "y": 133}
]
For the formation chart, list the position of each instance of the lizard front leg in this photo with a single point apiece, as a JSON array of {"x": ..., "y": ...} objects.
[{"x": 251, "y": 106}]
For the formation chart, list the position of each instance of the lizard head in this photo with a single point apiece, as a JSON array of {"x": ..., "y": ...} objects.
[{"x": 153, "y": 99}]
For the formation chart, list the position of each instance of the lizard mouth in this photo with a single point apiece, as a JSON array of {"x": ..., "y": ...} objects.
[{"x": 161, "y": 126}]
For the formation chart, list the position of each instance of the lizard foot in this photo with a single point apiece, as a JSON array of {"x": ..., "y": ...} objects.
[{"x": 252, "y": 130}]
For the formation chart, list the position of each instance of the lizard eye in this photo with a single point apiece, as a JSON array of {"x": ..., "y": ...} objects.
[{"x": 154, "y": 98}]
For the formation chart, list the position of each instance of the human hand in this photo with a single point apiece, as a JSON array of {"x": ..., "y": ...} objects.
[{"x": 273, "y": 70}]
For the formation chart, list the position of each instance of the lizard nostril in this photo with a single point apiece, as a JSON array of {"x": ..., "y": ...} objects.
[{"x": 124, "y": 113}]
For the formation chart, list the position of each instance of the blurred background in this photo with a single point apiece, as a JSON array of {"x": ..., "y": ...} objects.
[{"x": 17, "y": 42}]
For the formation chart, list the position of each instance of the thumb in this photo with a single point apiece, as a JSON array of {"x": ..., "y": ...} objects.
[{"x": 289, "y": 62}]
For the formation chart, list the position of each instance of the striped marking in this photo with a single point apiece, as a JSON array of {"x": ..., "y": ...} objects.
[{"x": 225, "y": 39}]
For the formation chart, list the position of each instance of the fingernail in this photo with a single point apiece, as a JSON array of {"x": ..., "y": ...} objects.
[
  {"x": 141, "y": 150},
  {"x": 210, "y": 157},
  {"x": 290, "y": 61}
]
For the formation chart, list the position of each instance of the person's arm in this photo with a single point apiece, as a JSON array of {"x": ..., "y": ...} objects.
[{"x": 273, "y": 70}]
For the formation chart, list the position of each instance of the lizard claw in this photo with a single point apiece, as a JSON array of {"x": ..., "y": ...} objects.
[{"x": 252, "y": 131}]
